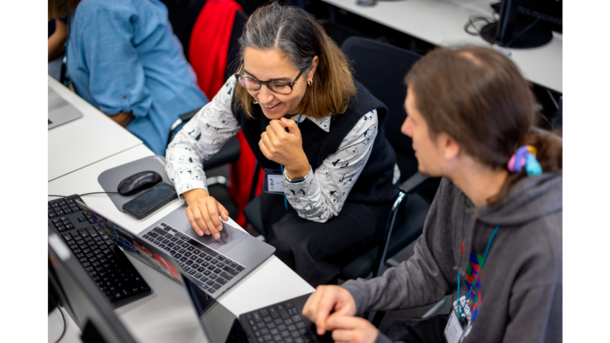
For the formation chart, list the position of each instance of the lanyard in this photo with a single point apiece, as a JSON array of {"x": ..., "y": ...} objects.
[
  {"x": 282, "y": 167},
  {"x": 478, "y": 274}
]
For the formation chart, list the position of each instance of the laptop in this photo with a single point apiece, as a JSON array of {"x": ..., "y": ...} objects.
[
  {"x": 280, "y": 322},
  {"x": 217, "y": 265},
  {"x": 60, "y": 111}
]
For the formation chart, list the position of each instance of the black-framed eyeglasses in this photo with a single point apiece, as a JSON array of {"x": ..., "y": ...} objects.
[{"x": 278, "y": 87}]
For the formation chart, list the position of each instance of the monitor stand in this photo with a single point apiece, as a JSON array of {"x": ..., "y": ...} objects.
[{"x": 533, "y": 38}]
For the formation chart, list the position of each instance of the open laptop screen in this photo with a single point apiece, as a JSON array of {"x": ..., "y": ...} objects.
[
  {"x": 218, "y": 323},
  {"x": 133, "y": 245}
]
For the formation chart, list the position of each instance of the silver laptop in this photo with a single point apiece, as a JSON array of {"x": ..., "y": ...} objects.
[
  {"x": 216, "y": 265},
  {"x": 60, "y": 111}
]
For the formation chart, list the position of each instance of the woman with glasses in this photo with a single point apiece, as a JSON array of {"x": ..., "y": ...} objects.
[{"x": 317, "y": 133}]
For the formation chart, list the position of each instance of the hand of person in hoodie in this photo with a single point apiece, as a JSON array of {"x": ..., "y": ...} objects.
[
  {"x": 351, "y": 329},
  {"x": 344, "y": 326}
]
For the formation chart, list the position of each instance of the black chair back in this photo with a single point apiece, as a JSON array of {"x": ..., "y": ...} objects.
[
  {"x": 381, "y": 68},
  {"x": 238, "y": 28}
]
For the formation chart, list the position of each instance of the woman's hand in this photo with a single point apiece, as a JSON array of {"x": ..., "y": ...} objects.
[
  {"x": 325, "y": 299},
  {"x": 285, "y": 148},
  {"x": 203, "y": 211}
]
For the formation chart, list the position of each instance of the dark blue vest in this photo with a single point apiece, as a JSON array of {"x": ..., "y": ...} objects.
[{"x": 374, "y": 185}]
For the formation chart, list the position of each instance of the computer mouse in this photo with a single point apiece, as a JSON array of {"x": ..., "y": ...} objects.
[{"x": 138, "y": 182}]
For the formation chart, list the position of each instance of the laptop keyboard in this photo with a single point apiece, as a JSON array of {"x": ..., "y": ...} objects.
[
  {"x": 279, "y": 323},
  {"x": 210, "y": 268},
  {"x": 104, "y": 262}
]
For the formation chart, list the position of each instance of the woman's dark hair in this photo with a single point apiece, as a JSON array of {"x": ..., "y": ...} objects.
[
  {"x": 300, "y": 37},
  {"x": 479, "y": 98}
]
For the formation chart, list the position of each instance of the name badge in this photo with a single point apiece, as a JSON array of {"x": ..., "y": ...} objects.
[
  {"x": 272, "y": 182},
  {"x": 453, "y": 330}
]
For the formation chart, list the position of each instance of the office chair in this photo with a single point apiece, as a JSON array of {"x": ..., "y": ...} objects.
[{"x": 405, "y": 223}]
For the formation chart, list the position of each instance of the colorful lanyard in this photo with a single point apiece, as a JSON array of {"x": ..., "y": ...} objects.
[
  {"x": 478, "y": 274},
  {"x": 282, "y": 167}
]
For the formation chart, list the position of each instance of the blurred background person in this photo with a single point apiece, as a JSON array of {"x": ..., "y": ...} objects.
[{"x": 123, "y": 58}]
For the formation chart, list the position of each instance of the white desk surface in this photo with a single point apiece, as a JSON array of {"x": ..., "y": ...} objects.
[
  {"x": 441, "y": 22},
  {"x": 166, "y": 315},
  {"x": 86, "y": 140}
]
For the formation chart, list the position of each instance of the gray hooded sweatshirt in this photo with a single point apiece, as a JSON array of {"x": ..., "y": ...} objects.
[{"x": 520, "y": 291}]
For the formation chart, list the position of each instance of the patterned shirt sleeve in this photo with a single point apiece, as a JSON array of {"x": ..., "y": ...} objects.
[
  {"x": 200, "y": 138},
  {"x": 322, "y": 196}
]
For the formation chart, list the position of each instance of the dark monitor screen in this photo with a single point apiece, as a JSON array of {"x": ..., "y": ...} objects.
[
  {"x": 87, "y": 305},
  {"x": 217, "y": 322},
  {"x": 524, "y": 23}
]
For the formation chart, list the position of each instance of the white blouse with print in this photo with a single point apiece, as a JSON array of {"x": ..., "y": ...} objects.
[{"x": 316, "y": 198}]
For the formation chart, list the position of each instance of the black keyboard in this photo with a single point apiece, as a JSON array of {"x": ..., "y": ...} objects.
[
  {"x": 95, "y": 250},
  {"x": 212, "y": 269},
  {"x": 279, "y": 323}
]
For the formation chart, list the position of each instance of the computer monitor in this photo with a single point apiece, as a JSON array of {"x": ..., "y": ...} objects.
[
  {"x": 87, "y": 305},
  {"x": 524, "y": 23}
]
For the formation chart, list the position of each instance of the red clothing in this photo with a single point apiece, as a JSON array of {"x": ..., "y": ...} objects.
[{"x": 208, "y": 51}]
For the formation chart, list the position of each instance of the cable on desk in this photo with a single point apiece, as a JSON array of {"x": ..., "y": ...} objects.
[
  {"x": 474, "y": 19},
  {"x": 63, "y": 317},
  {"x": 63, "y": 196}
]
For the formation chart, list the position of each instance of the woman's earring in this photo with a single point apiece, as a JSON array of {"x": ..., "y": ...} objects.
[{"x": 309, "y": 83}]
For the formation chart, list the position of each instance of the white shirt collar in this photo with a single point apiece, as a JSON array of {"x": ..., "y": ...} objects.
[{"x": 323, "y": 123}]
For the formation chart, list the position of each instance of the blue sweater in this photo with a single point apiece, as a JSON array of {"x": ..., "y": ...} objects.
[{"x": 122, "y": 56}]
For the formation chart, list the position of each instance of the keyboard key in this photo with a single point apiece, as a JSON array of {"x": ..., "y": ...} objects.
[
  {"x": 273, "y": 312},
  {"x": 222, "y": 282},
  {"x": 282, "y": 311},
  {"x": 226, "y": 276},
  {"x": 257, "y": 317}
]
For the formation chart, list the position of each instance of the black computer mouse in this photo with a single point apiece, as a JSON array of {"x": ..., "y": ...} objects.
[{"x": 138, "y": 182}]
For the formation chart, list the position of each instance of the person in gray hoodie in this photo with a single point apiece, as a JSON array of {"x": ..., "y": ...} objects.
[{"x": 493, "y": 235}]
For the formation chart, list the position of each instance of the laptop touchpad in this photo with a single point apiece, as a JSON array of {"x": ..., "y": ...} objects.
[{"x": 229, "y": 237}]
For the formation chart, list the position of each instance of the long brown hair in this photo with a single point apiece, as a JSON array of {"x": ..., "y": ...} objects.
[
  {"x": 479, "y": 98},
  {"x": 61, "y": 8},
  {"x": 300, "y": 37}
]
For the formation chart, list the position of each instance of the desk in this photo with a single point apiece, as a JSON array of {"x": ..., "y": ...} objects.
[
  {"x": 441, "y": 22},
  {"x": 86, "y": 140},
  {"x": 166, "y": 315}
]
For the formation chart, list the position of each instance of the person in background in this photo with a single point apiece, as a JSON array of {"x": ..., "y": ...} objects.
[
  {"x": 123, "y": 58},
  {"x": 493, "y": 236},
  {"x": 318, "y": 134},
  {"x": 57, "y": 32}
]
